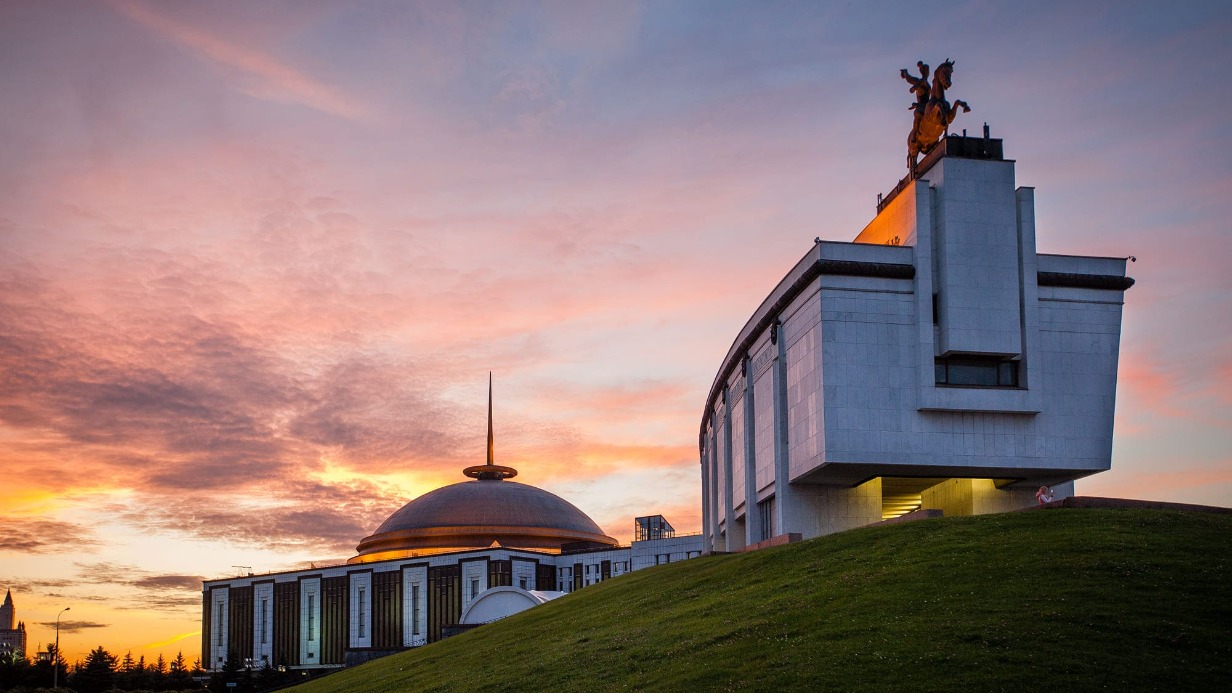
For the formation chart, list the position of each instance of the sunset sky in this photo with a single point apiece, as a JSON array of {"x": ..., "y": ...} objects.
[{"x": 257, "y": 259}]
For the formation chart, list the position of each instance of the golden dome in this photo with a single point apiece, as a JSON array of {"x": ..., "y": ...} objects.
[{"x": 478, "y": 514}]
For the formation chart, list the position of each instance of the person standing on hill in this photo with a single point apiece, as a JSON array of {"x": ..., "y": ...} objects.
[{"x": 1043, "y": 495}]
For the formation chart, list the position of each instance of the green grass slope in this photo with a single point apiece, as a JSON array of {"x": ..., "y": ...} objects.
[{"x": 1067, "y": 599}]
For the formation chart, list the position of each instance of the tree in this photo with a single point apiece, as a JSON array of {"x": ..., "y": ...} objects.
[
  {"x": 139, "y": 675},
  {"x": 230, "y": 673},
  {"x": 127, "y": 678},
  {"x": 97, "y": 674},
  {"x": 179, "y": 678},
  {"x": 14, "y": 669}
]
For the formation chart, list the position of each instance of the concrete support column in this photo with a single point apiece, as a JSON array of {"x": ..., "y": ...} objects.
[
  {"x": 785, "y": 505},
  {"x": 707, "y": 537},
  {"x": 727, "y": 501},
  {"x": 752, "y": 516}
]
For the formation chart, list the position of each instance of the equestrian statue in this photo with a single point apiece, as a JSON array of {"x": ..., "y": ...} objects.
[{"x": 933, "y": 113}]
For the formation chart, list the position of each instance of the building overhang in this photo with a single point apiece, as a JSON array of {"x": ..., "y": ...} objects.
[{"x": 852, "y": 474}]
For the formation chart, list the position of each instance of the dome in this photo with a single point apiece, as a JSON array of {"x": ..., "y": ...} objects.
[{"x": 476, "y": 514}]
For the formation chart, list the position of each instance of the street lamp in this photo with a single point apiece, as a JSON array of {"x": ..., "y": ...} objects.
[{"x": 55, "y": 661}]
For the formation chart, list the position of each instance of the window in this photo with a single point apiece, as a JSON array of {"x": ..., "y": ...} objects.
[
  {"x": 415, "y": 608},
  {"x": 312, "y": 619},
  {"x": 474, "y": 588},
  {"x": 264, "y": 622},
  {"x": 522, "y": 583},
  {"x": 976, "y": 371},
  {"x": 361, "y": 612},
  {"x": 765, "y": 510},
  {"x": 220, "y": 624}
]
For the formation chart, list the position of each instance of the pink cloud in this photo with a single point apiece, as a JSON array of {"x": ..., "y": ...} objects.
[{"x": 273, "y": 81}]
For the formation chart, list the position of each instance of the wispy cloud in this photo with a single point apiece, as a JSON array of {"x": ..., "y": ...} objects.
[
  {"x": 268, "y": 78},
  {"x": 74, "y": 626},
  {"x": 29, "y": 535}
]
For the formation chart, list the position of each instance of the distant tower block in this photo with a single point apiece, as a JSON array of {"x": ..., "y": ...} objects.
[
  {"x": 12, "y": 631},
  {"x": 8, "y": 615}
]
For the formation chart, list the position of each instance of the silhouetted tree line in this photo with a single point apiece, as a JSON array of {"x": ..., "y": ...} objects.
[{"x": 103, "y": 672}]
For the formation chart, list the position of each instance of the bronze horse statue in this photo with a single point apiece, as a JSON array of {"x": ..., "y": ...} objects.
[{"x": 932, "y": 118}]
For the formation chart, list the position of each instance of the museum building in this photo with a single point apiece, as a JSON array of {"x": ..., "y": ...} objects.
[
  {"x": 458, "y": 556},
  {"x": 935, "y": 363}
]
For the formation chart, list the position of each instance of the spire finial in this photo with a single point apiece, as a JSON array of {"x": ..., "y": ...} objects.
[{"x": 490, "y": 471}]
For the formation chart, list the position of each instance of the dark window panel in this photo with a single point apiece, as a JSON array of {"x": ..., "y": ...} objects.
[{"x": 285, "y": 648}]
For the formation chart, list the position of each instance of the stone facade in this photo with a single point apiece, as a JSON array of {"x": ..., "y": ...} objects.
[
  {"x": 337, "y": 615},
  {"x": 936, "y": 362}
]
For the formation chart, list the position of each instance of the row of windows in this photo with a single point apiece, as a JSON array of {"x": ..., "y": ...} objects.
[
  {"x": 362, "y": 611},
  {"x": 976, "y": 371}
]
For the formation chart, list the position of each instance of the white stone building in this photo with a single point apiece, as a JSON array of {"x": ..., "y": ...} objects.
[
  {"x": 458, "y": 556},
  {"x": 936, "y": 362}
]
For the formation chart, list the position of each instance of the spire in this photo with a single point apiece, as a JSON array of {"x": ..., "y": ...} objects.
[
  {"x": 8, "y": 613},
  {"x": 491, "y": 455},
  {"x": 490, "y": 471}
]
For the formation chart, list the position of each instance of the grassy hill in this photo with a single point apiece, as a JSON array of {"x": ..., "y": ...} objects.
[{"x": 1066, "y": 599}]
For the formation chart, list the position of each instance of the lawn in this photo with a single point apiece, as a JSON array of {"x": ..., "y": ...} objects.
[{"x": 1072, "y": 599}]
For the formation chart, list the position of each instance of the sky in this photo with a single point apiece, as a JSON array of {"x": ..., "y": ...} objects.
[{"x": 257, "y": 259}]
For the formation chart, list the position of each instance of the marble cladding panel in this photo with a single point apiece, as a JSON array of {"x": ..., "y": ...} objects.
[
  {"x": 896, "y": 224},
  {"x": 220, "y": 616},
  {"x": 763, "y": 425},
  {"x": 474, "y": 580},
  {"x": 960, "y": 497},
  {"x": 804, "y": 392},
  {"x": 987, "y": 498},
  {"x": 827, "y": 509},
  {"x": 738, "y": 454},
  {"x": 310, "y": 621},
  {"x": 868, "y": 371},
  {"x": 867, "y": 367},
  {"x": 952, "y": 497},
  {"x": 976, "y": 254},
  {"x": 901, "y": 254},
  {"x": 263, "y": 622},
  {"x": 722, "y": 462},
  {"x": 1078, "y": 264},
  {"x": 415, "y": 606},
  {"x": 523, "y": 574},
  {"x": 643, "y": 553},
  {"x": 360, "y": 595},
  {"x": 1079, "y": 345}
]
